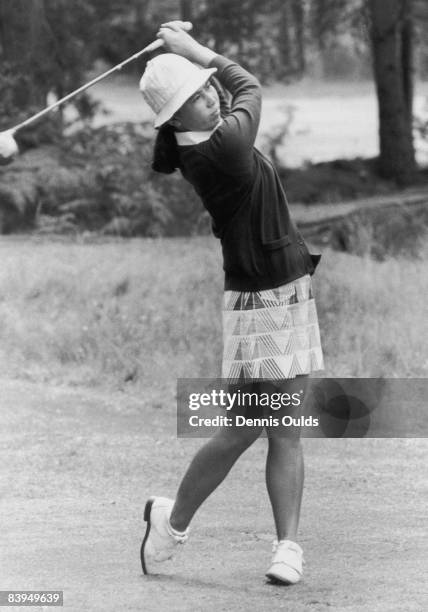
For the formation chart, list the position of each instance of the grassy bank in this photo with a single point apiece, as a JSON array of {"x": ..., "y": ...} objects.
[{"x": 144, "y": 312}]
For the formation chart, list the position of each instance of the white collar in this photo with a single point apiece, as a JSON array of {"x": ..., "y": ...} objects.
[{"x": 194, "y": 138}]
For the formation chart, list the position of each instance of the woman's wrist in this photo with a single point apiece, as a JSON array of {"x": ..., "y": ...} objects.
[{"x": 202, "y": 55}]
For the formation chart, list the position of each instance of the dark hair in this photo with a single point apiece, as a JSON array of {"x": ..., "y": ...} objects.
[
  {"x": 166, "y": 158},
  {"x": 165, "y": 154}
]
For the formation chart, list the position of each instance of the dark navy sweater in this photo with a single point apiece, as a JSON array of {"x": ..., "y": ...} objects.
[{"x": 241, "y": 190}]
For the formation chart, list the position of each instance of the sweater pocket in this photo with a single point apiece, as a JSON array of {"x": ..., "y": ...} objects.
[{"x": 272, "y": 245}]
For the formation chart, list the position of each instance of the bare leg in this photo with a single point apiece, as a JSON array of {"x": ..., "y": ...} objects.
[
  {"x": 285, "y": 469},
  {"x": 209, "y": 467},
  {"x": 284, "y": 481}
]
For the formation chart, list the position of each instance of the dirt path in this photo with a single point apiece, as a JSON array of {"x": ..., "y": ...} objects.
[{"x": 77, "y": 466}]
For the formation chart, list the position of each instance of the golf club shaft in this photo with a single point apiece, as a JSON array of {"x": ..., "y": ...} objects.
[{"x": 152, "y": 47}]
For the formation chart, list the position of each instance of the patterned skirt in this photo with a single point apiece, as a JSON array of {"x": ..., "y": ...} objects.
[{"x": 271, "y": 334}]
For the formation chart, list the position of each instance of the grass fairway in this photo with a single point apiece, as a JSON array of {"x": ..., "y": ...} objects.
[
  {"x": 141, "y": 313},
  {"x": 92, "y": 339}
]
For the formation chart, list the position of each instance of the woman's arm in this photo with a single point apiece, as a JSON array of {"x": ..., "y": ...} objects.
[{"x": 239, "y": 130}]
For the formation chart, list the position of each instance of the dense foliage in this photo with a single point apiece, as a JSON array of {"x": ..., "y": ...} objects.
[{"x": 47, "y": 48}]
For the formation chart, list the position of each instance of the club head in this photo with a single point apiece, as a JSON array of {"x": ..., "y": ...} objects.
[{"x": 8, "y": 147}]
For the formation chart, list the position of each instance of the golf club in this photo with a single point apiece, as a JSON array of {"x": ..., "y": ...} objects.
[{"x": 8, "y": 145}]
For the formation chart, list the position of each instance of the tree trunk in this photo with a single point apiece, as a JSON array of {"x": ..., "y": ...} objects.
[
  {"x": 12, "y": 17},
  {"x": 284, "y": 42},
  {"x": 393, "y": 85},
  {"x": 407, "y": 58},
  {"x": 186, "y": 10},
  {"x": 21, "y": 25},
  {"x": 299, "y": 26}
]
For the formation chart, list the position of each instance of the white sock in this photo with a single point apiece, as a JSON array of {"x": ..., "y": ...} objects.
[{"x": 174, "y": 532}]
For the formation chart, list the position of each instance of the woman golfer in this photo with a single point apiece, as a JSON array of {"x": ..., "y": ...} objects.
[{"x": 270, "y": 326}]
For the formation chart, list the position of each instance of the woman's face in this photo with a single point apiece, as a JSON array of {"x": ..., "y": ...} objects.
[{"x": 201, "y": 112}]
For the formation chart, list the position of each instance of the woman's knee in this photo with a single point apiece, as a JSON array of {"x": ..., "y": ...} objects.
[{"x": 283, "y": 444}]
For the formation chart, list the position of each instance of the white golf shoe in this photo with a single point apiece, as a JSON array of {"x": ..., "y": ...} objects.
[
  {"x": 287, "y": 562},
  {"x": 160, "y": 540}
]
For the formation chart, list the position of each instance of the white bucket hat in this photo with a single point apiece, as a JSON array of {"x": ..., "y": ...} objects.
[{"x": 169, "y": 80}]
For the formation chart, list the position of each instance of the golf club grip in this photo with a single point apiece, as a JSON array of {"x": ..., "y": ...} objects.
[{"x": 156, "y": 44}]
